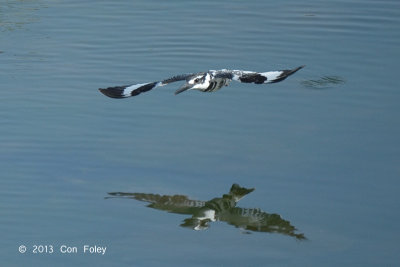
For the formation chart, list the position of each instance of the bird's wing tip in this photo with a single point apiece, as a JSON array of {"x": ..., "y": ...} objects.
[
  {"x": 113, "y": 92},
  {"x": 129, "y": 90}
]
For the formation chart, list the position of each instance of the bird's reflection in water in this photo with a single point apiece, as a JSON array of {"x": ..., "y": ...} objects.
[{"x": 217, "y": 209}]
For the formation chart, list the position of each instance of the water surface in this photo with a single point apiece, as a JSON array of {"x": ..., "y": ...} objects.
[{"x": 321, "y": 148}]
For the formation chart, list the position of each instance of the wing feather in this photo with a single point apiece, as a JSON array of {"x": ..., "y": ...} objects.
[
  {"x": 136, "y": 89},
  {"x": 177, "y": 78},
  {"x": 128, "y": 90},
  {"x": 263, "y": 77}
]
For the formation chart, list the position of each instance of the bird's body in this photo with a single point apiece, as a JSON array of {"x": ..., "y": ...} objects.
[{"x": 209, "y": 81}]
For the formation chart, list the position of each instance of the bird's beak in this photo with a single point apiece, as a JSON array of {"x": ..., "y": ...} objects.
[{"x": 184, "y": 88}]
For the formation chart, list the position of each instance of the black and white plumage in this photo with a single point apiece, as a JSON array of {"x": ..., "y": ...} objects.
[{"x": 209, "y": 81}]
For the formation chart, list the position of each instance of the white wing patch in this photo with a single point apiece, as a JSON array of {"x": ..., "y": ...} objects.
[
  {"x": 271, "y": 75},
  {"x": 128, "y": 90}
]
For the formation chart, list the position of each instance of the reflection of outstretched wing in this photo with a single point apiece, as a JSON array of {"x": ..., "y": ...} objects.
[
  {"x": 175, "y": 204},
  {"x": 258, "y": 221}
]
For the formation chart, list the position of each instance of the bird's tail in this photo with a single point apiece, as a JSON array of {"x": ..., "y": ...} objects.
[
  {"x": 128, "y": 90},
  {"x": 277, "y": 76}
]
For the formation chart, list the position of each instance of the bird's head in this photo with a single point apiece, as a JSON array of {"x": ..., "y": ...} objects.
[{"x": 199, "y": 81}]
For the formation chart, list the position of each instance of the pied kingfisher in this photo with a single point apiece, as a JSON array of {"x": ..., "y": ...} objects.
[{"x": 209, "y": 81}]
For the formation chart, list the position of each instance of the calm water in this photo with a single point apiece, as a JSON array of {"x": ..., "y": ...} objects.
[{"x": 321, "y": 148}]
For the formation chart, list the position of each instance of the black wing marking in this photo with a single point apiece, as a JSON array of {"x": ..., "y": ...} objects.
[
  {"x": 252, "y": 78},
  {"x": 285, "y": 74}
]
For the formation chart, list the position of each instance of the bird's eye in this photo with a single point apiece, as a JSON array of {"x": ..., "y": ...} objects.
[{"x": 196, "y": 80}]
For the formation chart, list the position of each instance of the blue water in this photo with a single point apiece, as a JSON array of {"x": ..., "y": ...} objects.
[{"x": 321, "y": 148}]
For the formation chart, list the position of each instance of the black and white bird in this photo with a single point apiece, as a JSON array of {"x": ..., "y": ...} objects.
[{"x": 209, "y": 81}]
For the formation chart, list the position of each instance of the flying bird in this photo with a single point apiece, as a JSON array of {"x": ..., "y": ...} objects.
[{"x": 209, "y": 81}]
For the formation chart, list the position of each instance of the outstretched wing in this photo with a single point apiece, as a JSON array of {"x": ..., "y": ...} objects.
[
  {"x": 128, "y": 90},
  {"x": 135, "y": 89},
  {"x": 262, "y": 77}
]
